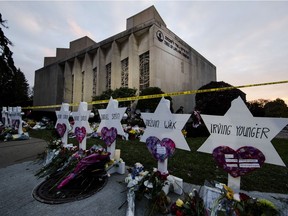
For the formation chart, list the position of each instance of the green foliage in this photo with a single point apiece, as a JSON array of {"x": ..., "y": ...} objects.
[
  {"x": 276, "y": 108},
  {"x": 121, "y": 92},
  {"x": 151, "y": 104},
  {"x": 13, "y": 85},
  {"x": 20, "y": 94},
  {"x": 267, "y": 108},
  {"x": 216, "y": 102},
  {"x": 256, "y": 107}
]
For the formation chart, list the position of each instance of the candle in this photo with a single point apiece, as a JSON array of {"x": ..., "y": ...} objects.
[{"x": 117, "y": 154}]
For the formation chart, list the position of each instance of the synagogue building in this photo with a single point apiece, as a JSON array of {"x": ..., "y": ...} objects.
[{"x": 146, "y": 54}]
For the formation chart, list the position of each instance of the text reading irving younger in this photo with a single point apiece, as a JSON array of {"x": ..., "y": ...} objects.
[{"x": 240, "y": 130}]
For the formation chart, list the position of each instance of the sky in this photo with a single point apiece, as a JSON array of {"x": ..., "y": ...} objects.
[{"x": 247, "y": 41}]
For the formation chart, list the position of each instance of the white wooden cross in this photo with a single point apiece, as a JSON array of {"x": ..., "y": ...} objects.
[
  {"x": 239, "y": 128},
  {"x": 111, "y": 117},
  {"x": 9, "y": 116},
  {"x": 81, "y": 126},
  {"x": 5, "y": 116},
  {"x": 14, "y": 118},
  {"x": 18, "y": 117},
  {"x": 62, "y": 125},
  {"x": 163, "y": 124}
]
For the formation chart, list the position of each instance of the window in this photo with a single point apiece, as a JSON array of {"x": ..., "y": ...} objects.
[
  {"x": 94, "y": 81},
  {"x": 182, "y": 67},
  {"x": 108, "y": 76},
  {"x": 124, "y": 73},
  {"x": 144, "y": 71}
]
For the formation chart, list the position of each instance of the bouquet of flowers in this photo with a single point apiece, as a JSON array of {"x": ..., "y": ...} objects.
[
  {"x": 148, "y": 184},
  {"x": 252, "y": 206},
  {"x": 69, "y": 160},
  {"x": 134, "y": 132},
  {"x": 57, "y": 157},
  {"x": 191, "y": 205},
  {"x": 230, "y": 204}
]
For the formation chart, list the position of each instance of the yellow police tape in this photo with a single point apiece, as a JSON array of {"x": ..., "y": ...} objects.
[{"x": 161, "y": 95}]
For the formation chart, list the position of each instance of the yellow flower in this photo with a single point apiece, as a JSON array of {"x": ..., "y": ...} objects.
[
  {"x": 132, "y": 131},
  {"x": 265, "y": 203},
  {"x": 229, "y": 192},
  {"x": 184, "y": 132},
  {"x": 230, "y": 195},
  {"x": 110, "y": 163},
  {"x": 228, "y": 189},
  {"x": 179, "y": 203}
]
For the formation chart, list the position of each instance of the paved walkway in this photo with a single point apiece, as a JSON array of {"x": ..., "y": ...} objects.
[
  {"x": 18, "y": 181},
  {"x": 13, "y": 152}
]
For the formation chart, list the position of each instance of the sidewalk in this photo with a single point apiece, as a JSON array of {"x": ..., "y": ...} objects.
[
  {"x": 18, "y": 181},
  {"x": 12, "y": 152}
]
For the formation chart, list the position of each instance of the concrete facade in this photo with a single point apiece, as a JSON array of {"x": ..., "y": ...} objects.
[{"x": 146, "y": 54}]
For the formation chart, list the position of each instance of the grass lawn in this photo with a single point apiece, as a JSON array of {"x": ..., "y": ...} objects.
[{"x": 196, "y": 167}]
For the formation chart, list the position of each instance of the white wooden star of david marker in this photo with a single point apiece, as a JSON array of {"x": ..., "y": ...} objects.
[
  {"x": 63, "y": 119},
  {"x": 238, "y": 128},
  {"x": 111, "y": 117},
  {"x": 81, "y": 118},
  {"x": 5, "y": 116},
  {"x": 163, "y": 124}
]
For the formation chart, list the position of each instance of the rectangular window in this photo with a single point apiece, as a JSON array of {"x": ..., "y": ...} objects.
[
  {"x": 182, "y": 67},
  {"x": 124, "y": 72},
  {"x": 108, "y": 76},
  {"x": 144, "y": 71},
  {"x": 94, "y": 81}
]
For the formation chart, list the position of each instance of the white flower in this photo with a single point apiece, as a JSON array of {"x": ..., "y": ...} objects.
[
  {"x": 138, "y": 165},
  {"x": 128, "y": 178},
  {"x": 143, "y": 173}
]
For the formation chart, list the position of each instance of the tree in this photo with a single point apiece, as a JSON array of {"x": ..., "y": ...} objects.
[
  {"x": 150, "y": 105},
  {"x": 256, "y": 107},
  {"x": 276, "y": 108},
  {"x": 20, "y": 93},
  {"x": 216, "y": 102},
  {"x": 121, "y": 92},
  {"x": 13, "y": 85}
]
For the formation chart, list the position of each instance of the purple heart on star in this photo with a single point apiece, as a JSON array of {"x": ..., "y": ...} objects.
[
  {"x": 160, "y": 150},
  {"x": 240, "y": 162},
  {"x": 109, "y": 135}
]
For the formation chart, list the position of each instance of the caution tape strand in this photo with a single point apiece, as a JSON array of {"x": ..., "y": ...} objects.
[{"x": 171, "y": 94}]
